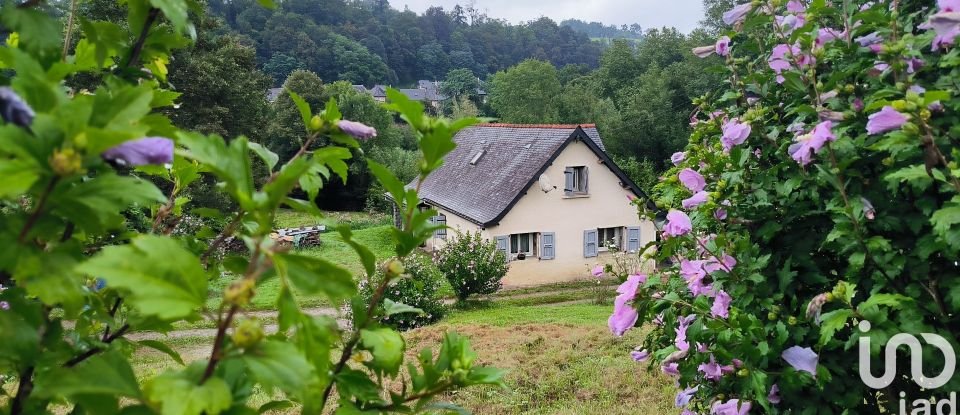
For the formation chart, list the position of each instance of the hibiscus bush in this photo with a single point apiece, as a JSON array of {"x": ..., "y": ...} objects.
[
  {"x": 472, "y": 264},
  {"x": 418, "y": 287},
  {"x": 819, "y": 192},
  {"x": 81, "y": 267}
]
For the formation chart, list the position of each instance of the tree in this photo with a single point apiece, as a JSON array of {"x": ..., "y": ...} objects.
[
  {"x": 473, "y": 265},
  {"x": 459, "y": 83},
  {"x": 526, "y": 93},
  {"x": 433, "y": 60},
  {"x": 283, "y": 136},
  {"x": 280, "y": 66}
]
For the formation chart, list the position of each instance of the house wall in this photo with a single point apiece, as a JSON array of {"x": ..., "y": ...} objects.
[
  {"x": 607, "y": 205},
  {"x": 456, "y": 225}
]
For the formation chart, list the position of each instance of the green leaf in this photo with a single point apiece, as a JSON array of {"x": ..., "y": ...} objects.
[
  {"x": 944, "y": 219},
  {"x": 229, "y": 163},
  {"x": 391, "y": 307},
  {"x": 36, "y": 29},
  {"x": 161, "y": 278},
  {"x": 175, "y": 11},
  {"x": 890, "y": 300},
  {"x": 367, "y": 257},
  {"x": 388, "y": 180},
  {"x": 97, "y": 203},
  {"x": 486, "y": 376},
  {"x": 279, "y": 364},
  {"x": 268, "y": 157},
  {"x": 303, "y": 107},
  {"x": 410, "y": 111},
  {"x": 163, "y": 348},
  {"x": 177, "y": 395},
  {"x": 18, "y": 176},
  {"x": 831, "y": 322},
  {"x": 355, "y": 383},
  {"x": 108, "y": 373},
  {"x": 387, "y": 347},
  {"x": 314, "y": 276}
]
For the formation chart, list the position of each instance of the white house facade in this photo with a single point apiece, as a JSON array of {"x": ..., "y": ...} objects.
[{"x": 547, "y": 194}]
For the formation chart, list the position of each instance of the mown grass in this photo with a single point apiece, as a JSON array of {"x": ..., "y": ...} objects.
[
  {"x": 559, "y": 359},
  {"x": 355, "y": 220}
]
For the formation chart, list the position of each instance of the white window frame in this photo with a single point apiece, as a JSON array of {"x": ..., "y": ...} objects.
[
  {"x": 531, "y": 248},
  {"x": 602, "y": 239},
  {"x": 580, "y": 179}
]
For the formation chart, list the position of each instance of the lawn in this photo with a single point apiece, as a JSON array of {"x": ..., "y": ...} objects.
[{"x": 560, "y": 359}]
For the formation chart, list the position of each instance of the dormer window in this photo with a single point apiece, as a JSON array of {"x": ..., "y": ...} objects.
[{"x": 576, "y": 181}]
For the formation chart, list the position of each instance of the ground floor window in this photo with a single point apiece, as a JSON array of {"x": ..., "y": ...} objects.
[
  {"x": 441, "y": 233},
  {"x": 610, "y": 237},
  {"x": 523, "y": 243}
]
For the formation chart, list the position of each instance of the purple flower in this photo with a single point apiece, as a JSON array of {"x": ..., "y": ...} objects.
[
  {"x": 723, "y": 46},
  {"x": 713, "y": 370},
  {"x": 4, "y": 305},
  {"x": 639, "y": 355},
  {"x": 704, "y": 51},
  {"x": 720, "y": 214},
  {"x": 868, "y": 210},
  {"x": 827, "y": 35},
  {"x": 687, "y": 411},
  {"x": 678, "y": 223},
  {"x": 790, "y": 23},
  {"x": 678, "y": 157},
  {"x": 730, "y": 408},
  {"x": 857, "y": 104},
  {"x": 623, "y": 318},
  {"x": 671, "y": 369},
  {"x": 358, "y": 130},
  {"x": 737, "y": 14},
  {"x": 794, "y": 6},
  {"x": 774, "y": 395},
  {"x": 14, "y": 109},
  {"x": 947, "y": 27},
  {"x": 697, "y": 199},
  {"x": 942, "y": 41},
  {"x": 721, "y": 305},
  {"x": 810, "y": 143},
  {"x": 913, "y": 65},
  {"x": 734, "y": 133},
  {"x": 148, "y": 150},
  {"x": 871, "y": 39},
  {"x": 692, "y": 180},
  {"x": 630, "y": 286},
  {"x": 887, "y": 119},
  {"x": 684, "y": 396},
  {"x": 658, "y": 320},
  {"x": 778, "y": 58},
  {"x": 803, "y": 359},
  {"x": 949, "y": 5},
  {"x": 597, "y": 271},
  {"x": 681, "y": 331}
]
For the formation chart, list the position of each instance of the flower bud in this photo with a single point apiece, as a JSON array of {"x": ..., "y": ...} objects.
[
  {"x": 316, "y": 123},
  {"x": 248, "y": 333},
  {"x": 66, "y": 162},
  {"x": 792, "y": 321},
  {"x": 395, "y": 268},
  {"x": 911, "y": 128},
  {"x": 743, "y": 372},
  {"x": 772, "y": 316},
  {"x": 239, "y": 293},
  {"x": 80, "y": 141},
  {"x": 840, "y": 291},
  {"x": 849, "y": 88},
  {"x": 899, "y": 105}
]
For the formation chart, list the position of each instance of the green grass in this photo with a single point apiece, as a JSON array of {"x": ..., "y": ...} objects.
[
  {"x": 332, "y": 248},
  {"x": 496, "y": 315},
  {"x": 355, "y": 220}
]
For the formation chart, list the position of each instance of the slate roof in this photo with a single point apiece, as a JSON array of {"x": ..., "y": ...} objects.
[
  {"x": 361, "y": 88},
  {"x": 515, "y": 157},
  {"x": 379, "y": 91}
]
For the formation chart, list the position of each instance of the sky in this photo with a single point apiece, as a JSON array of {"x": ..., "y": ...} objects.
[{"x": 682, "y": 14}]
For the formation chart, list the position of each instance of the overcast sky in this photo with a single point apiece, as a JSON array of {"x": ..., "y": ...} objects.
[{"x": 682, "y": 14}]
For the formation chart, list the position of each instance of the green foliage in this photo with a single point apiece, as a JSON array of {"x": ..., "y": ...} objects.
[
  {"x": 77, "y": 275},
  {"x": 525, "y": 93},
  {"x": 473, "y": 265},
  {"x": 833, "y": 218},
  {"x": 414, "y": 300}
]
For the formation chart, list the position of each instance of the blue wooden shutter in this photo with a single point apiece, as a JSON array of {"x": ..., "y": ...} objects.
[
  {"x": 568, "y": 180},
  {"x": 547, "y": 245},
  {"x": 586, "y": 180},
  {"x": 633, "y": 238},
  {"x": 503, "y": 244},
  {"x": 589, "y": 243}
]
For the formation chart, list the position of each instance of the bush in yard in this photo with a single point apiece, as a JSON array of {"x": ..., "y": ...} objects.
[
  {"x": 473, "y": 265},
  {"x": 815, "y": 209},
  {"x": 418, "y": 288},
  {"x": 68, "y": 223}
]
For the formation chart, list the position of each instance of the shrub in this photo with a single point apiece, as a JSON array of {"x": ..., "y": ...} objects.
[
  {"x": 419, "y": 288},
  {"x": 815, "y": 209},
  {"x": 472, "y": 265}
]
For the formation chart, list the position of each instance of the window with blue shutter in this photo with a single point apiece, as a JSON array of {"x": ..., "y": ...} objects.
[
  {"x": 589, "y": 243},
  {"x": 503, "y": 244},
  {"x": 440, "y": 220},
  {"x": 568, "y": 181},
  {"x": 633, "y": 238},
  {"x": 575, "y": 181},
  {"x": 547, "y": 245}
]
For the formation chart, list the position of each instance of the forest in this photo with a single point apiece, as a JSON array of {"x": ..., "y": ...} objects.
[{"x": 636, "y": 84}]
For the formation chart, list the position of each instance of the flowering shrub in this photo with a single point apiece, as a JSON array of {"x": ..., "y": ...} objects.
[
  {"x": 77, "y": 276},
  {"x": 472, "y": 265},
  {"x": 819, "y": 190},
  {"x": 418, "y": 288}
]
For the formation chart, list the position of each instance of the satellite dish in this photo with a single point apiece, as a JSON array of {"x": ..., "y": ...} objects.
[{"x": 545, "y": 184}]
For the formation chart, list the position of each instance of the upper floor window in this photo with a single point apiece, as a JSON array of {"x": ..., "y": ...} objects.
[{"x": 576, "y": 180}]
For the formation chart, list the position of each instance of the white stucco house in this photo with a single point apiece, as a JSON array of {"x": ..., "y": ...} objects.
[{"x": 547, "y": 194}]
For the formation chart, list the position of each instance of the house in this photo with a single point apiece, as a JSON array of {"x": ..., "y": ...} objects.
[
  {"x": 273, "y": 94},
  {"x": 379, "y": 93},
  {"x": 548, "y": 195}
]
